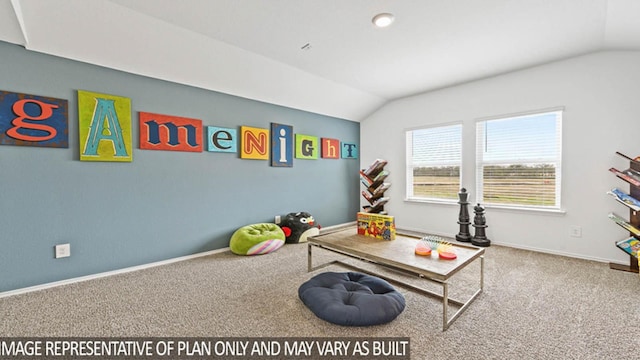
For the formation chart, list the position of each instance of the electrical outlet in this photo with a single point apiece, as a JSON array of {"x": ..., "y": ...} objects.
[
  {"x": 277, "y": 220},
  {"x": 576, "y": 231},
  {"x": 63, "y": 250}
]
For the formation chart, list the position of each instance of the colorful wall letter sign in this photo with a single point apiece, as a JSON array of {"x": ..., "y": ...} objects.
[
  {"x": 222, "y": 139},
  {"x": 330, "y": 148},
  {"x": 255, "y": 143},
  {"x": 306, "y": 147},
  {"x": 164, "y": 132},
  {"x": 105, "y": 127},
  {"x": 31, "y": 120},
  {"x": 281, "y": 145},
  {"x": 349, "y": 151}
]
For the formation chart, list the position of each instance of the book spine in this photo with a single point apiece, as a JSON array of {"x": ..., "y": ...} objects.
[
  {"x": 620, "y": 221},
  {"x": 625, "y": 198},
  {"x": 368, "y": 170},
  {"x": 633, "y": 173},
  {"x": 377, "y": 165},
  {"x": 365, "y": 179},
  {"x": 636, "y": 159},
  {"x": 630, "y": 246},
  {"x": 380, "y": 201},
  {"x": 381, "y": 189},
  {"x": 625, "y": 177},
  {"x": 380, "y": 177}
]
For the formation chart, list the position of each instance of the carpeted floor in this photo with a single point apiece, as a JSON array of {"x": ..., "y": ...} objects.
[{"x": 535, "y": 306}]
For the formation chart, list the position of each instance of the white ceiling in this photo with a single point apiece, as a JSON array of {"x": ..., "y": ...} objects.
[{"x": 253, "y": 48}]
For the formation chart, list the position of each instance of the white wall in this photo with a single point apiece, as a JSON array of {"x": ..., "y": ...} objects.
[{"x": 601, "y": 96}]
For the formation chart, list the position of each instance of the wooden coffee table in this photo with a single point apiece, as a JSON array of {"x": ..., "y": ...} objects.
[{"x": 399, "y": 255}]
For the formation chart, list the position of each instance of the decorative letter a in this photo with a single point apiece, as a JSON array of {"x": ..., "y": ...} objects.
[{"x": 105, "y": 114}]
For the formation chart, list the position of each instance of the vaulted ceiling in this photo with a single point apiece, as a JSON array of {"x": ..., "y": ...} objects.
[{"x": 323, "y": 56}]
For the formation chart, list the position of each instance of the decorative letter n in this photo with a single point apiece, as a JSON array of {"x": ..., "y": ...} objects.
[{"x": 252, "y": 142}]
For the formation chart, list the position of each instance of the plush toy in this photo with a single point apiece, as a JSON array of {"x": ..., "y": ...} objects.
[{"x": 298, "y": 226}]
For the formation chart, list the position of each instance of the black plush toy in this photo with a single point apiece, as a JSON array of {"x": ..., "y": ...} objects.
[{"x": 298, "y": 226}]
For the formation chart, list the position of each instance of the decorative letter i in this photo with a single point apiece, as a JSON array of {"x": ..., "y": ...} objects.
[{"x": 283, "y": 146}]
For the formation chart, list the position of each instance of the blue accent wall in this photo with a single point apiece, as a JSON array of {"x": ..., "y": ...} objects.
[{"x": 164, "y": 204}]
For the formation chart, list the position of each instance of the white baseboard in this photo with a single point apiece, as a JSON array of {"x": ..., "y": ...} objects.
[
  {"x": 553, "y": 252},
  {"x": 130, "y": 269},
  {"x": 108, "y": 273},
  {"x": 193, "y": 256},
  {"x": 529, "y": 248}
]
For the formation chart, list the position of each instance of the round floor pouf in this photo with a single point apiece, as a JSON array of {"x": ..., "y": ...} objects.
[{"x": 351, "y": 299}]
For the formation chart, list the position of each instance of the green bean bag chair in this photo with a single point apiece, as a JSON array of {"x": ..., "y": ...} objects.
[{"x": 257, "y": 239}]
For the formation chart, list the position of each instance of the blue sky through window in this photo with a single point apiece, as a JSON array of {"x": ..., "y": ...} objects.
[
  {"x": 522, "y": 138},
  {"x": 530, "y": 137},
  {"x": 437, "y": 146}
]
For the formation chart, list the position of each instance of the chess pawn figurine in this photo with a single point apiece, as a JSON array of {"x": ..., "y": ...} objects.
[
  {"x": 480, "y": 224},
  {"x": 463, "y": 218}
]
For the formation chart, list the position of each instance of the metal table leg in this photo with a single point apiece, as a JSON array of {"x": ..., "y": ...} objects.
[{"x": 445, "y": 305}]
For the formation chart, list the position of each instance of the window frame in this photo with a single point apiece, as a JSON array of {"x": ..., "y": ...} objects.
[
  {"x": 410, "y": 165},
  {"x": 556, "y": 161}
]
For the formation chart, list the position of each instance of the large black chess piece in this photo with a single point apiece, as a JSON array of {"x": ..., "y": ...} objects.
[
  {"x": 463, "y": 218},
  {"x": 480, "y": 224}
]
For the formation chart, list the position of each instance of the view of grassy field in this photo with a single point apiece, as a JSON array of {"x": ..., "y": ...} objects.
[
  {"x": 524, "y": 191},
  {"x": 441, "y": 187}
]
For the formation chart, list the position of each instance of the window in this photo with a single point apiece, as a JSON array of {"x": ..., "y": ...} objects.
[
  {"x": 433, "y": 162},
  {"x": 519, "y": 160}
]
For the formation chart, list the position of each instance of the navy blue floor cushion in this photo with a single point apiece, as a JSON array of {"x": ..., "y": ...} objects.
[{"x": 351, "y": 299}]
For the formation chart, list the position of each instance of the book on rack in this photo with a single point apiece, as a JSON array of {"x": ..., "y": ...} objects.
[
  {"x": 373, "y": 199},
  {"x": 381, "y": 176},
  {"x": 376, "y": 225},
  {"x": 380, "y": 189},
  {"x": 380, "y": 201},
  {"x": 631, "y": 176},
  {"x": 365, "y": 180},
  {"x": 626, "y": 199},
  {"x": 376, "y": 166},
  {"x": 376, "y": 208},
  {"x": 630, "y": 245},
  {"x": 636, "y": 159},
  {"x": 622, "y": 222},
  {"x": 367, "y": 195}
]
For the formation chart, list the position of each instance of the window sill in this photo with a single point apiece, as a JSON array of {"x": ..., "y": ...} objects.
[
  {"x": 542, "y": 211},
  {"x": 431, "y": 201},
  {"x": 506, "y": 208}
]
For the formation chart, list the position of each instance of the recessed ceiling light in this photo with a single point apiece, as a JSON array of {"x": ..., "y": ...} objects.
[{"x": 382, "y": 20}]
